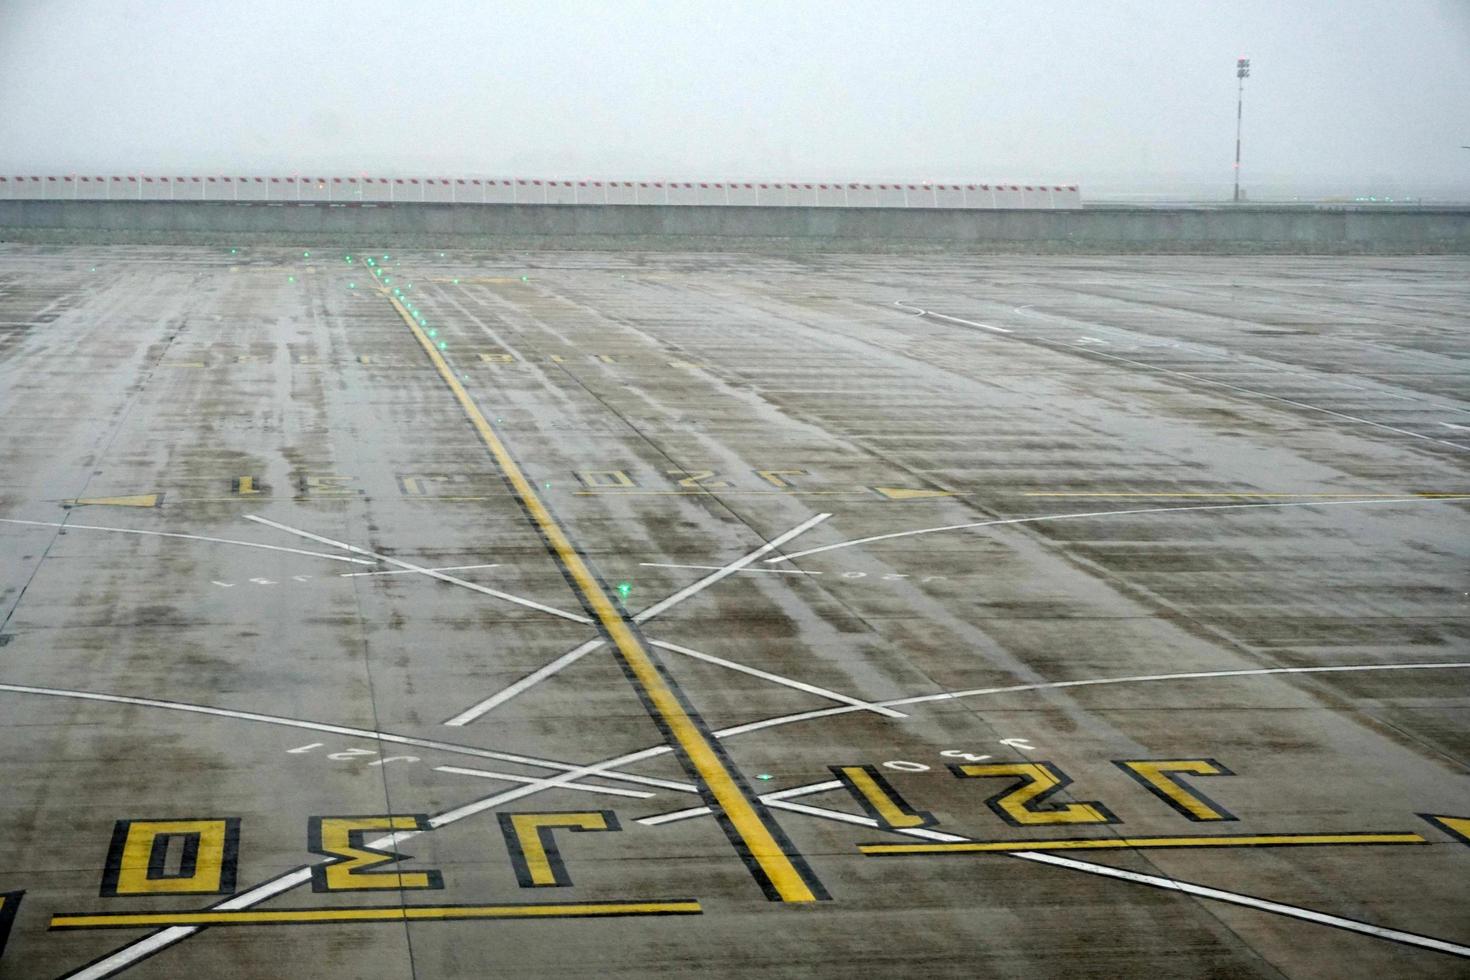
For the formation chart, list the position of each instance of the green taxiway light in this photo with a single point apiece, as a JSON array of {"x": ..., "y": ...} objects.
[
  {"x": 764, "y": 776},
  {"x": 232, "y": 251},
  {"x": 525, "y": 278},
  {"x": 387, "y": 278},
  {"x": 443, "y": 345},
  {"x": 623, "y": 589},
  {"x": 433, "y": 333},
  {"x": 456, "y": 282},
  {"x": 385, "y": 258},
  {"x": 306, "y": 255},
  {"x": 352, "y": 285},
  {"x": 290, "y": 278},
  {"x": 94, "y": 268}
]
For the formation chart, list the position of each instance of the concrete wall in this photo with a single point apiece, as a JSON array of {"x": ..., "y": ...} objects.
[{"x": 1244, "y": 228}]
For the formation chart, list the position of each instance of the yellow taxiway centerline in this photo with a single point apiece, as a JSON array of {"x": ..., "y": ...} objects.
[{"x": 752, "y": 830}]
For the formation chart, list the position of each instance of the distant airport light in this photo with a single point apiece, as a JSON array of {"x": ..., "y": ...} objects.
[{"x": 1242, "y": 72}]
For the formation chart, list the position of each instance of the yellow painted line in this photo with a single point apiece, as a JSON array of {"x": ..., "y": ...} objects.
[
  {"x": 1244, "y": 494},
  {"x": 135, "y": 500},
  {"x": 1119, "y": 843},
  {"x": 408, "y": 913},
  {"x": 756, "y": 837},
  {"x": 910, "y": 493}
]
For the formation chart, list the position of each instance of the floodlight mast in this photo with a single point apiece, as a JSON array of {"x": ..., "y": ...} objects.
[{"x": 1242, "y": 72}]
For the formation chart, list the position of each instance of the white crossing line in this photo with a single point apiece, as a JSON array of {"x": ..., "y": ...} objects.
[
  {"x": 707, "y": 568},
  {"x": 189, "y": 537},
  {"x": 820, "y": 692},
  {"x": 572, "y": 656},
  {"x": 415, "y": 571},
  {"x": 1156, "y": 881},
  {"x": 700, "y": 811},
  {"x": 691, "y": 590},
  {"x": 487, "y": 774},
  {"x": 524, "y": 684},
  {"x": 529, "y": 603}
]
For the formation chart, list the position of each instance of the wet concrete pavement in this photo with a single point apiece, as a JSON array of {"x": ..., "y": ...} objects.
[{"x": 1216, "y": 516}]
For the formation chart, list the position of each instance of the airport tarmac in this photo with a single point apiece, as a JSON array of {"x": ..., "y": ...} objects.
[{"x": 379, "y": 615}]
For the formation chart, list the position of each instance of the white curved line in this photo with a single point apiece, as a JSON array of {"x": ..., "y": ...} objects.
[
  {"x": 1093, "y": 682},
  {"x": 190, "y": 537},
  {"x": 316, "y": 726},
  {"x": 409, "y": 566},
  {"x": 1106, "y": 513},
  {"x": 131, "y": 953},
  {"x": 953, "y": 319}
]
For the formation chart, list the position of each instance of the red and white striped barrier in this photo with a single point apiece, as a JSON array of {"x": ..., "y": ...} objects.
[{"x": 363, "y": 189}]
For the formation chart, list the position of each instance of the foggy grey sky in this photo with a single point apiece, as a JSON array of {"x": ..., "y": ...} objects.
[{"x": 1353, "y": 94}]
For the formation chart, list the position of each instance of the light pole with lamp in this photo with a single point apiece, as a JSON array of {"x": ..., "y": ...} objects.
[{"x": 1242, "y": 72}]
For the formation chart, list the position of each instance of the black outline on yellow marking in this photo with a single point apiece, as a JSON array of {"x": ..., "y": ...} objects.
[
  {"x": 880, "y": 800},
  {"x": 772, "y": 859},
  {"x": 693, "y": 479},
  {"x": 112, "y": 869},
  {"x": 1030, "y": 800},
  {"x": 245, "y": 486},
  {"x": 888, "y": 849},
  {"x": 583, "y": 478},
  {"x": 545, "y": 841},
  {"x": 1173, "y": 776},
  {"x": 359, "y": 865},
  {"x": 214, "y": 918},
  {"x": 1438, "y": 819},
  {"x": 9, "y": 905}
]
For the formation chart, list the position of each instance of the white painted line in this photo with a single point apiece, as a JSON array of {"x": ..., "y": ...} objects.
[
  {"x": 730, "y": 569},
  {"x": 659, "y": 819},
  {"x": 414, "y": 571},
  {"x": 487, "y": 774},
  {"x": 820, "y": 692},
  {"x": 1234, "y": 387},
  {"x": 315, "y": 726},
  {"x": 188, "y": 537},
  {"x": 1091, "y": 682},
  {"x": 1156, "y": 881},
  {"x": 953, "y": 319},
  {"x": 143, "y": 948},
  {"x": 1109, "y": 513},
  {"x": 1451, "y": 425},
  {"x": 807, "y": 790},
  {"x": 703, "y": 568},
  {"x": 524, "y": 684},
  {"x": 531, "y": 604},
  {"x": 125, "y": 956},
  {"x": 674, "y": 816},
  {"x": 1250, "y": 901},
  {"x": 131, "y": 953},
  {"x": 572, "y": 656}
]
